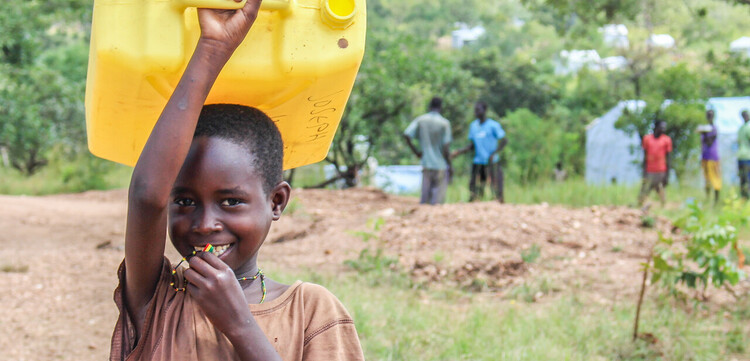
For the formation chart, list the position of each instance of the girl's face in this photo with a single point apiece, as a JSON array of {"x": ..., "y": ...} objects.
[{"x": 218, "y": 198}]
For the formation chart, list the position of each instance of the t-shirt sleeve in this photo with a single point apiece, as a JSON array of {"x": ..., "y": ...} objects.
[
  {"x": 330, "y": 333},
  {"x": 499, "y": 132},
  {"x": 669, "y": 145},
  {"x": 447, "y": 134},
  {"x": 123, "y": 337},
  {"x": 644, "y": 143},
  {"x": 411, "y": 130}
]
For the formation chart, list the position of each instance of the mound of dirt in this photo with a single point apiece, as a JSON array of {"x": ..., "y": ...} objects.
[
  {"x": 485, "y": 245},
  {"x": 498, "y": 245}
]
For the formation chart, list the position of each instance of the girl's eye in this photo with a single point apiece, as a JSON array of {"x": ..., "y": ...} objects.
[
  {"x": 230, "y": 202},
  {"x": 184, "y": 202}
]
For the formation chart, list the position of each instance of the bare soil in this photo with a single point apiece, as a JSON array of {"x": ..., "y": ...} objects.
[{"x": 59, "y": 255}]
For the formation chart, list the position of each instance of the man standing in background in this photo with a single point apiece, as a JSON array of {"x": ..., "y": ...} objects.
[
  {"x": 743, "y": 154},
  {"x": 434, "y": 135},
  {"x": 656, "y": 149},
  {"x": 484, "y": 135},
  {"x": 710, "y": 157}
]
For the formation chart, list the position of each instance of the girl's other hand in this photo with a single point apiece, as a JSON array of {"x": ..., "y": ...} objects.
[
  {"x": 228, "y": 27},
  {"x": 214, "y": 286}
]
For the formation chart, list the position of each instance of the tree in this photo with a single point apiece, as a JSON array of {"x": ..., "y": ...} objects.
[
  {"x": 43, "y": 105},
  {"x": 512, "y": 83},
  {"x": 398, "y": 76},
  {"x": 535, "y": 146},
  {"x": 732, "y": 74},
  {"x": 596, "y": 12},
  {"x": 672, "y": 98},
  {"x": 41, "y": 84}
]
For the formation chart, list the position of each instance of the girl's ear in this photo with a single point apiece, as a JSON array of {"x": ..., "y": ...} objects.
[{"x": 279, "y": 199}]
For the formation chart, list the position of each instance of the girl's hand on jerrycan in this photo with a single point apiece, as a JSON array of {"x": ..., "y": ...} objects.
[{"x": 225, "y": 29}]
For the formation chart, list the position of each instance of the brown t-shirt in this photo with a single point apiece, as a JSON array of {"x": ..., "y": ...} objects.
[{"x": 307, "y": 322}]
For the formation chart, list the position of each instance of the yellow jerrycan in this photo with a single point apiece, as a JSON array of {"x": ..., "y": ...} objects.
[{"x": 298, "y": 64}]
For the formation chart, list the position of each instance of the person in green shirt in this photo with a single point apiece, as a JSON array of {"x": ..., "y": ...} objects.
[
  {"x": 434, "y": 135},
  {"x": 743, "y": 154}
]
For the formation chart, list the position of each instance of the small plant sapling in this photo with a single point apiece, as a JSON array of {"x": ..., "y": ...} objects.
[{"x": 703, "y": 258}]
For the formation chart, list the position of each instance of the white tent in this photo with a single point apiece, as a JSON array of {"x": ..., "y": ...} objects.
[
  {"x": 615, "y": 35},
  {"x": 665, "y": 41},
  {"x": 614, "y": 63},
  {"x": 728, "y": 121},
  {"x": 465, "y": 35},
  {"x": 741, "y": 45},
  {"x": 572, "y": 61},
  {"x": 611, "y": 154}
]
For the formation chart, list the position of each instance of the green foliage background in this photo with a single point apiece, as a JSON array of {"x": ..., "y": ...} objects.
[{"x": 44, "y": 45}]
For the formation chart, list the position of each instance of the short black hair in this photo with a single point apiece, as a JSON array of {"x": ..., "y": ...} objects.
[
  {"x": 250, "y": 128},
  {"x": 482, "y": 104},
  {"x": 436, "y": 103}
]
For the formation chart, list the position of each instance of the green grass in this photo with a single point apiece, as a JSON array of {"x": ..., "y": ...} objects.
[
  {"x": 308, "y": 176},
  {"x": 84, "y": 173},
  {"x": 397, "y": 322},
  {"x": 573, "y": 192}
]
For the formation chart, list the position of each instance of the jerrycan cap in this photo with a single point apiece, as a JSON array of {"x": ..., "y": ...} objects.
[{"x": 338, "y": 14}]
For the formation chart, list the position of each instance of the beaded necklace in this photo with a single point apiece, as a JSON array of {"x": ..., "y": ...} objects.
[{"x": 258, "y": 274}]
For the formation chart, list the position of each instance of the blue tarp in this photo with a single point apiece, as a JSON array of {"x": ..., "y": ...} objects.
[{"x": 399, "y": 179}]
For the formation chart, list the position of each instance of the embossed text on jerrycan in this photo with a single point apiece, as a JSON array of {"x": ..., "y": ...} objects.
[{"x": 298, "y": 64}]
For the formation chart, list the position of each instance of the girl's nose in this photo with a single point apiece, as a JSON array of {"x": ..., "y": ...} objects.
[{"x": 206, "y": 223}]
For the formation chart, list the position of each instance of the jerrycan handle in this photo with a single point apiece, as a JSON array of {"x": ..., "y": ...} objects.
[{"x": 230, "y": 4}]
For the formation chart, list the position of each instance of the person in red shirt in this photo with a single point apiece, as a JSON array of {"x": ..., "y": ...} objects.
[{"x": 656, "y": 150}]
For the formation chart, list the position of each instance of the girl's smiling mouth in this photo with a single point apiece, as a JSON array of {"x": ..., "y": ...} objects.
[{"x": 217, "y": 250}]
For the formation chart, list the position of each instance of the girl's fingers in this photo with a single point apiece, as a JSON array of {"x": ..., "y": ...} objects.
[
  {"x": 193, "y": 290},
  {"x": 198, "y": 264},
  {"x": 193, "y": 277},
  {"x": 213, "y": 261}
]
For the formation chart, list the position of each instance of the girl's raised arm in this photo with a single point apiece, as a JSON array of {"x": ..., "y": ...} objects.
[{"x": 222, "y": 31}]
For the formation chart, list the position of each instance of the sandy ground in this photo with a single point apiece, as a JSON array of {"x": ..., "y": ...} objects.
[{"x": 59, "y": 254}]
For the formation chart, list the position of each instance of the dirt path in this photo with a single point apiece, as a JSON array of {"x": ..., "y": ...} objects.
[{"x": 59, "y": 254}]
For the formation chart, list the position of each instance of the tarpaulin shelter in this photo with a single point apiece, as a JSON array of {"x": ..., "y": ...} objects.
[{"x": 613, "y": 155}]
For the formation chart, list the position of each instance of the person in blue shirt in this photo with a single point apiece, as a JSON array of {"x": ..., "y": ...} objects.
[{"x": 487, "y": 140}]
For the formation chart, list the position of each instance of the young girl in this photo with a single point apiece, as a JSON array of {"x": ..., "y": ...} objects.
[{"x": 212, "y": 176}]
